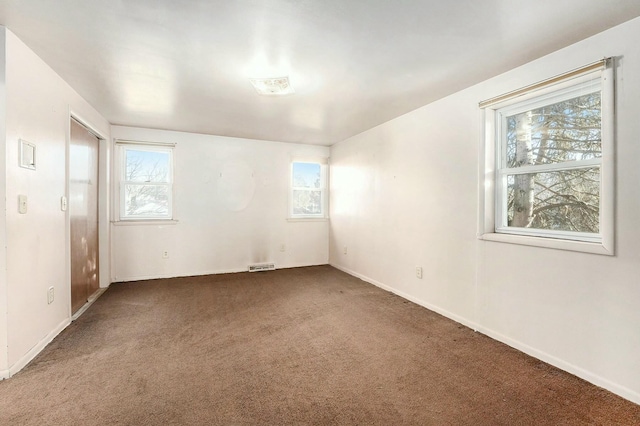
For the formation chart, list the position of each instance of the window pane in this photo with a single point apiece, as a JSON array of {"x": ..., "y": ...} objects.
[
  {"x": 307, "y": 202},
  {"x": 306, "y": 175},
  {"x": 565, "y": 131},
  {"x": 146, "y": 166},
  {"x": 562, "y": 201},
  {"x": 147, "y": 200}
]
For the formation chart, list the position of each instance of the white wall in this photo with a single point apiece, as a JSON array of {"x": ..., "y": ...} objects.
[
  {"x": 38, "y": 105},
  {"x": 4, "y": 366},
  {"x": 404, "y": 194},
  {"x": 231, "y": 206}
]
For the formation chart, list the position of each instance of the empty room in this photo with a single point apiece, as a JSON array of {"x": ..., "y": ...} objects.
[{"x": 301, "y": 212}]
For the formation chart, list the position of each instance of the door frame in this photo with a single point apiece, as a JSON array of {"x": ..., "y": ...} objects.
[{"x": 104, "y": 240}]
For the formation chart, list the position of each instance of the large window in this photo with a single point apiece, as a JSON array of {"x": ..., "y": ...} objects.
[
  {"x": 308, "y": 198},
  {"x": 552, "y": 156},
  {"x": 146, "y": 181}
]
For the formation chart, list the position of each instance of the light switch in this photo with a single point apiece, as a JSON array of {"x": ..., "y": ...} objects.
[
  {"x": 22, "y": 204},
  {"x": 63, "y": 203}
]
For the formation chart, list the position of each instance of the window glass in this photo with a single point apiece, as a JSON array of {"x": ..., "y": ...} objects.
[
  {"x": 147, "y": 182},
  {"x": 306, "y": 175},
  {"x": 146, "y": 201},
  {"x": 565, "y": 200},
  {"x": 308, "y": 188},
  {"x": 147, "y": 165},
  {"x": 569, "y": 130},
  {"x": 559, "y": 142}
]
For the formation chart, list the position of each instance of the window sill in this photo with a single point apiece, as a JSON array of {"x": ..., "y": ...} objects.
[
  {"x": 144, "y": 222},
  {"x": 579, "y": 246},
  {"x": 307, "y": 219}
]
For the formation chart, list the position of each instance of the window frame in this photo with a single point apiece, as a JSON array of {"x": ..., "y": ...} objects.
[
  {"x": 324, "y": 196},
  {"x": 492, "y": 175},
  {"x": 121, "y": 148}
]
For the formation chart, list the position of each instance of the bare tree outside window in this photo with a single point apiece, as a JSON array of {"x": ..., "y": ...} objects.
[
  {"x": 307, "y": 189},
  {"x": 147, "y": 183},
  {"x": 562, "y": 134}
]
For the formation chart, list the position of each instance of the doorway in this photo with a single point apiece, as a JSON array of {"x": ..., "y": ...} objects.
[{"x": 84, "y": 148}]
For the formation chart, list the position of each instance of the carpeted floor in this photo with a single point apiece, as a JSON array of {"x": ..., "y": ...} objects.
[{"x": 297, "y": 346}]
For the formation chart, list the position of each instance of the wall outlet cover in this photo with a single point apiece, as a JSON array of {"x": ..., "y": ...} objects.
[{"x": 22, "y": 204}]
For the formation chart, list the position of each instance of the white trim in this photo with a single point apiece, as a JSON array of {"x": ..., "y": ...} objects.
[
  {"x": 35, "y": 350},
  {"x": 87, "y": 124},
  {"x": 38, "y": 347},
  {"x": 200, "y": 274},
  {"x": 486, "y": 173},
  {"x": 538, "y": 354},
  {"x": 595, "y": 379},
  {"x": 133, "y": 222},
  {"x": 607, "y": 169},
  {"x": 310, "y": 159},
  {"x": 546, "y": 233},
  {"x": 457, "y": 318},
  {"x": 99, "y": 292},
  {"x": 307, "y": 219},
  {"x": 130, "y": 142},
  {"x": 552, "y": 243},
  {"x": 550, "y": 168}
]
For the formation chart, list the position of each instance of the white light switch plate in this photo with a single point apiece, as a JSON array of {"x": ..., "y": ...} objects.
[{"x": 22, "y": 204}]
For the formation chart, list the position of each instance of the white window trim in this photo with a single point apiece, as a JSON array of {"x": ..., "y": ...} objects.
[
  {"x": 121, "y": 218},
  {"x": 324, "y": 189},
  {"x": 488, "y": 174}
]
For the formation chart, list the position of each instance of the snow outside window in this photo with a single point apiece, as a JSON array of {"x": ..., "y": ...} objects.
[{"x": 146, "y": 182}]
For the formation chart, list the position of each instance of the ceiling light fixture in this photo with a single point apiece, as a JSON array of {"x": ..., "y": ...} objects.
[{"x": 272, "y": 86}]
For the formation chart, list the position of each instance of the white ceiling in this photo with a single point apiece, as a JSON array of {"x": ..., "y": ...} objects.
[{"x": 185, "y": 64}]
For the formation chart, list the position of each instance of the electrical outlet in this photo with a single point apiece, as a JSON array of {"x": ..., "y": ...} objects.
[
  {"x": 419, "y": 272},
  {"x": 50, "y": 295},
  {"x": 282, "y": 247},
  {"x": 165, "y": 254},
  {"x": 344, "y": 250}
]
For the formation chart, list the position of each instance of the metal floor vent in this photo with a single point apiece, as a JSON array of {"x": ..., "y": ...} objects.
[{"x": 262, "y": 267}]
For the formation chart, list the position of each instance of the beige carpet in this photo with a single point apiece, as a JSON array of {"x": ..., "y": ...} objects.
[{"x": 298, "y": 346}]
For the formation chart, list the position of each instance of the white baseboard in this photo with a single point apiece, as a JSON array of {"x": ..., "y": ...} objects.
[
  {"x": 595, "y": 379},
  {"x": 434, "y": 308},
  {"x": 163, "y": 276},
  {"x": 202, "y": 273},
  {"x": 564, "y": 365},
  {"x": 90, "y": 301},
  {"x": 34, "y": 351}
]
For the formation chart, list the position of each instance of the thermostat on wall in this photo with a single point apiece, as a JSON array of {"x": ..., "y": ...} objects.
[{"x": 27, "y": 155}]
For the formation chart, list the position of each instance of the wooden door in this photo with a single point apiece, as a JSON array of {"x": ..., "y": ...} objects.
[{"x": 83, "y": 212}]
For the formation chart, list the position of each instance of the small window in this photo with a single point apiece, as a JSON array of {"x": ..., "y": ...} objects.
[
  {"x": 146, "y": 182},
  {"x": 308, "y": 197},
  {"x": 553, "y": 158}
]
